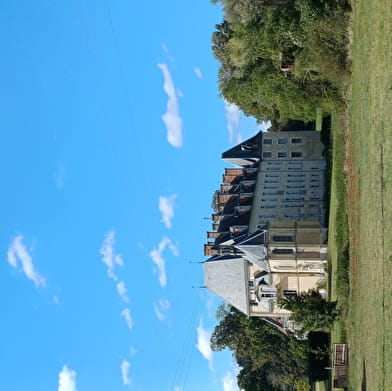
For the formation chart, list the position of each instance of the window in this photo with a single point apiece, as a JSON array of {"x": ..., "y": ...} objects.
[
  {"x": 296, "y": 140},
  {"x": 267, "y": 295},
  {"x": 296, "y": 175},
  {"x": 299, "y": 186},
  {"x": 294, "y": 206},
  {"x": 282, "y": 154},
  {"x": 282, "y": 140},
  {"x": 289, "y": 292},
  {"x": 267, "y": 155},
  {"x": 296, "y": 216},
  {"x": 283, "y": 251},
  {"x": 272, "y": 175},
  {"x": 267, "y": 141},
  {"x": 296, "y": 154},
  {"x": 266, "y": 216},
  {"x": 283, "y": 238},
  {"x": 267, "y": 206},
  {"x": 251, "y": 283},
  {"x": 288, "y": 199}
]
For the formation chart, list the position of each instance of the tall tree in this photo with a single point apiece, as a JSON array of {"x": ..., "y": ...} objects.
[{"x": 311, "y": 310}]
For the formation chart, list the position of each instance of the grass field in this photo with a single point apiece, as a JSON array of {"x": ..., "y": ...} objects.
[
  {"x": 338, "y": 232},
  {"x": 369, "y": 168}
]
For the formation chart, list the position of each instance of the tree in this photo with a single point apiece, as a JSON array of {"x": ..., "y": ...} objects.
[
  {"x": 269, "y": 360},
  {"x": 311, "y": 310},
  {"x": 258, "y": 37}
]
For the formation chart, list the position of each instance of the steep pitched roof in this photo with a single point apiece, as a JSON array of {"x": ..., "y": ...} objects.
[
  {"x": 246, "y": 153},
  {"x": 227, "y": 277}
]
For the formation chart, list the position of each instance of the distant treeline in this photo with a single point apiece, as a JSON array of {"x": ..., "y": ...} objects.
[{"x": 282, "y": 59}]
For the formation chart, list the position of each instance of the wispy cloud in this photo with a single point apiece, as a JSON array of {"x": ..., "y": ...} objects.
[
  {"x": 125, "y": 366},
  {"x": 59, "y": 175},
  {"x": 161, "y": 307},
  {"x": 157, "y": 257},
  {"x": 233, "y": 115},
  {"x": 229, "y": 382},
  {"x": 171, "y": 118},
  {"x": 109, "y": 257},
  {"x": 166, "y": 207},
  {"x": 203, "y": 344},
  {"x": 126, "y": 314},
  {"x": 67, "y": 380},
  {"x": 111, "y": 260},
  {"x": 18, "y": 254},
  {"x": 122, "y": 291},
  {"x": 198, "y": 72}
]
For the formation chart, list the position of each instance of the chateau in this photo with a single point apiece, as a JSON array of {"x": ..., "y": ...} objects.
[{"x": 268, "y": 236}]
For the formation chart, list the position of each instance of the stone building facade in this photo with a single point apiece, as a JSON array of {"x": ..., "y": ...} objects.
[{"x": 268, "y": 236}]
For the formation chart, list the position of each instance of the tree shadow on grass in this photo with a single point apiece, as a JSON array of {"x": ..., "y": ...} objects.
[{"x": 363, "y": 383}]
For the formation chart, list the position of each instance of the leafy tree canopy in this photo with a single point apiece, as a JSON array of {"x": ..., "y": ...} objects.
[
  {"x": 269, "y": 360},
  {"x": 311, "y": 310},
  {"x": 259, "y": 38}
]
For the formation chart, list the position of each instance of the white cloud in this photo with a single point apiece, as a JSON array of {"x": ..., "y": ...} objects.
[
  {"x": 126, "y": 314},
  {"x": 18, "y": 253},
  {"x": 166, "y": 207},
  {"x": 198, "y": 72},
  {"x": 109, "y": 258},
  {"x": 59, "y": 175},
  {"x": 229, "y": 382},
  {"x": 157, "y": 258},
  {"x": 178, "y": 388},
  {"x": 125, "y": 366},
  {"x": 161, "y": 307},
  {"x": 203, "y": 344},
  {"x": 171, "y": 118},
  {"x": 122, "y": 291},
  {"x": 233, "y": 115},
  {"x": 67, "y": 380}
]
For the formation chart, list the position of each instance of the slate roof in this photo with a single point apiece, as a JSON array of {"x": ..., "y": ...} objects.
[{"x": 226, "y": 276}]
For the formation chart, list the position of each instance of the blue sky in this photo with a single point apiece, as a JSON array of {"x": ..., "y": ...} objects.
[{"x": 112, "y": 130}]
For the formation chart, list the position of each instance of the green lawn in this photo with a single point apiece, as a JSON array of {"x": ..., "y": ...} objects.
[
  {"x": 369, "y": 203},
  {"x": 338, "y": 230}
]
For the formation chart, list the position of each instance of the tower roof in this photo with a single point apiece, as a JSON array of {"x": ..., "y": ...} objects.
[
  {"x": 246, "y": 153},
  {"x": 227, "y": 277}
]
